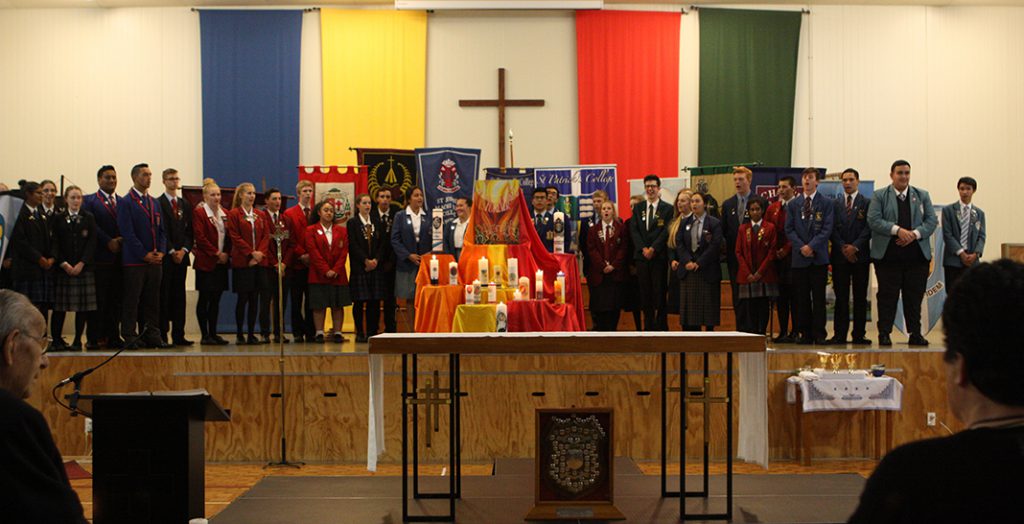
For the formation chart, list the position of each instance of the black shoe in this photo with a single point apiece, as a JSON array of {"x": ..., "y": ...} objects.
[
  {"x": 836, "y": 341},
  {"x": 884, "y": 340},
  {"x": 253, "y": 341},
  {"x": 58, "y": 345},
  {"x": 221, "y": 341},
  {"x": 862, "y": 341},
  {"x": 183, "y": 342},
  {"x": 279, "y": 340},
  {"x": 360, "y": 339},
  {"x": 299, "y": 339},
  {"x": 240, "y": 340},
  {"x": 917, "y": 340},
  {"x": 338, "y": 338},
  {"x": 92, "y": 346},
  {"x": 115, "y": 344},
  {"x": 822, "y": 342},
  {"x": 208, "y": 341},
  {"x": 131, "y": 346},
  {"x": 76, "y": 345},
  {"x": 264, "y": 339},
  {"x": 784, "y": 339},
  {"x": 319, "y": 339}
]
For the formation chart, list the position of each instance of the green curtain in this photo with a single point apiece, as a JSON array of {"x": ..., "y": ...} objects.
[{"x": 747, "y": 85}]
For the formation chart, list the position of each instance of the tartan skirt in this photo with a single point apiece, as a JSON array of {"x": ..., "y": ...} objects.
[
  {"x": 368, "y": 286},
  {"x": 700, "y": 302},
  {"x": 76, "y": 293},
  {"x": 39, "y": 291},
  {"x": 758, "y": 290}
]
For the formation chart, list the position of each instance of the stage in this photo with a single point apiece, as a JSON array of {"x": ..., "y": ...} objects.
[{"x": 506, "y": 495}]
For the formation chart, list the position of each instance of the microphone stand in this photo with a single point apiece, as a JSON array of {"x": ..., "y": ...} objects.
[
  {"x": 279, "y": 235},
  {"x": 76, "y": 379}
]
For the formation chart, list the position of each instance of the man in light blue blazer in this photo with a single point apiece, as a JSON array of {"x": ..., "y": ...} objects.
[
  {"x": 809, "y": 222},
  {"x": 902, "y": 222},
  {"x": 963, "y": 229}
]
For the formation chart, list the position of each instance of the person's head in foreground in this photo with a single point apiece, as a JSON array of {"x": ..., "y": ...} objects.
[
  {"x": 23, "y": 335},
  {"x": 977, "y": 474}
]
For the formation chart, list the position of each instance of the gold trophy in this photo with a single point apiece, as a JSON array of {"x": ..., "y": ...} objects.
[
  {"x": 823, "y": 360},
  {"x": 836, "y": 359},
  {"x": 851, "y": 361}
]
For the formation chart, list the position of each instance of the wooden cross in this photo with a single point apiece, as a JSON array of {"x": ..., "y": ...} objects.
[{"x": 501, "y": 103}]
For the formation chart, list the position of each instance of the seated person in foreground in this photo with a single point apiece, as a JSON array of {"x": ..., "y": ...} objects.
[
  {"x": 34, "y": 487},
  {"x": 976, "y": 475}
]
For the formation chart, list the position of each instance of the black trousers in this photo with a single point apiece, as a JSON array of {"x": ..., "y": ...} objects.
[
  {"x": 141, "y": 300},
  {"x": 896, "y": 278},
  {"x": 742, "y": 314},
  {"x": 208, "y": 303},
  {"x": 298, "y": 290},
  {"x": 652, "y": 276},
  {"x": 605, "y": 320},
  {"x": 371, "y": 315},
  {"x": 172, "y": 299},
  {"x": 785, "y": 303},
  {"x": 755, "y": 313},
  {"x": 106, "y": 320},
  {"x": 843, "y": 275},
  {"x": 390, "y": 303},
  {"x": 270, "y": 303},
  {"x": 809, "y": 290},
  {"x": 952, "y": 275}
]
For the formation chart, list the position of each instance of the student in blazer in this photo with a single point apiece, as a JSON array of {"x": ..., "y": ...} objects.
[
  {"x": 250, "y": 245},
  {"x": 851, "y": 258},
  {"x": 698, "y": 248},
  {"x": 327, "y": 245},
  {"x": 649, "y": 229},
  {"x": 963, "y": 232},
  {"x": 809, "y": 222},
  {"x": 211, "y": 248},
  {"x": 609, "y": 249}
]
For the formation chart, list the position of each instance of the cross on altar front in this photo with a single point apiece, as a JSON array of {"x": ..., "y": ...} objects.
[{"x": 501, "y": 103}]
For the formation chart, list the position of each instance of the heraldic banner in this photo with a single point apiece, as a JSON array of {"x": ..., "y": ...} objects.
[
  {"x": 393, "y": 169},
  {"x": 446, "y": 174},
  {"x": 525, "y": 176},
  {"x": 340, "y": 184},
  {"x": 498, "y": 213}
]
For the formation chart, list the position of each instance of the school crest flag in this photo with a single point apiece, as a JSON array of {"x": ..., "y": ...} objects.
[
  {"x": 339, "y": 184},
  {"x": 446, "y": 174},
  {"x": 393, "y": 169}
]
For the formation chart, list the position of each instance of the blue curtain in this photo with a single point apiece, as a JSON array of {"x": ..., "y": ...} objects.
[{"x": 250, "y": 67}]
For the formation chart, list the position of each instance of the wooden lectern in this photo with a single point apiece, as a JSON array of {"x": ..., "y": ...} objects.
[{"x": 148, "y": 455}]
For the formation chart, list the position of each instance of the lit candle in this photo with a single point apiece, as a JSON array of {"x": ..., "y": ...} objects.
[
  {"x": 501, "y": 318},
  {"x": 483, "y": 265},
  {"x": 540, "y": 285},
  {"x": 513, "y": 271},
  {"x": 476, "y": 292},
  {"x": 435, "y": 270},
  {"x": 492, "y": 292},
  {"x": 516, "y": 295},
  {"x": 469, "y": 294},
  {"x": 560, "y": 288},
  {"x": 524, "y": 287},
  {"x": 453, "y": 273}
]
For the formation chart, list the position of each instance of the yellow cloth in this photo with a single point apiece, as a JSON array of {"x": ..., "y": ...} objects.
[
  {"x": 475, "y": 319},
  {"x": 374, "y": 80}
]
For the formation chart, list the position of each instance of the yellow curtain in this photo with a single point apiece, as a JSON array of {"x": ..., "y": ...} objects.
[{"x": 374, "y": 74}]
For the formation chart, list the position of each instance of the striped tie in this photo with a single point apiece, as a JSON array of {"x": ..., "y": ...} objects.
[{"x": 965, "y": 227}]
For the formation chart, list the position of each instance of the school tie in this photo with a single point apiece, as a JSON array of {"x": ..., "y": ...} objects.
[
  {"x": 849, "y": 203},
  {"x": 903, "y": 196},
  {"x": 650, "y": 215},
  {"x": 965, "y": 227},
  {"x": 607, "y": 233},
  {"x": 174, "y": 207},
  {"x": 695, "y": 234},
  {"x": 807, "y": 208}
]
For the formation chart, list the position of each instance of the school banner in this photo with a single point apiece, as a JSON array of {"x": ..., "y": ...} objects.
[
  {"x": 446, "y": 174},
  {"x": 496, "y": 213},
  {"x": 525, "y": 176},
  {"x": 393, "y": 169},
  {"x": 10, "y": 206},
  {"x": 339, "y": 184}
]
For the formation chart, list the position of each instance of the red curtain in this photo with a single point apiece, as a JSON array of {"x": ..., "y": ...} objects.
[{"x": 628, "y": 76}]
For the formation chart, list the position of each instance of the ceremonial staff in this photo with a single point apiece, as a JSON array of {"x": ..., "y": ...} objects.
[{"x": 279, "y": 235}]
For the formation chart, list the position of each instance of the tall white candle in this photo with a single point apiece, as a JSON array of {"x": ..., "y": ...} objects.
[
  {"x": 559, "y": 229},
  {"x": 492, "y": 292},
  {"x": 501, "y": 318},
  {"x": 539, "y": 285},
  {"x": 469, "y": 294},
  {"x": 437, "y": 230},
  {"x": 484, "y": 267},
  {"x": 560, "y": 291},
  {"x": 513, "y": 271},
  {"x": 476, "y": 292},
  {"x": 524, "y": 287},
  {"x": 453, "y": 273},
  {"x": 435, "y": 270}
]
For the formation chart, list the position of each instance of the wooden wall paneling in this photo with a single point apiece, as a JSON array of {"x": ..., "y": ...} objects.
[{"x": 335, "y": 417}]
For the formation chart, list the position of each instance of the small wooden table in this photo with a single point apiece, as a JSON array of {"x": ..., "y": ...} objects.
[{"x": 802, "y": 438}]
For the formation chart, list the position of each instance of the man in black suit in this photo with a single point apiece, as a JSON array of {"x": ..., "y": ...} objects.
[
  {"x": 383, "y": 216},
  {"x": 542, "y": 221},
  {"x": 649, "y": 230},
  {"x": 851, "y": 257},
  {"x": 177, "y": 215},
  {"x": 734, "y": 213}
]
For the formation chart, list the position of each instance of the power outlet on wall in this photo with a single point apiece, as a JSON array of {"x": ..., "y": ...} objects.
[
  {"x": 931, "y": 418},
  {"x": 88, "y": 425}
]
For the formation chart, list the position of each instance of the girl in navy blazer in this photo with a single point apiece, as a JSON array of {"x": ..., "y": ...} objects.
[
  {"x": 698, "y": 245},
  {"x": 410, "y": 238},
  {"x": 74, "y": 245}
]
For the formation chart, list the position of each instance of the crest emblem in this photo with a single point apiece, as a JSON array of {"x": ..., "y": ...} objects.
[
  {"x": 575, "y": 441},
  {"x": 448, "y": 181}
]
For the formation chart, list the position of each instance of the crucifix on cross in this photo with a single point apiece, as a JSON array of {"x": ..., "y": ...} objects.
[{"x": 501, "y": 103}]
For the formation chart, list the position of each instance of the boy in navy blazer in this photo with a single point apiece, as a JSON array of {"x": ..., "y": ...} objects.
[
  {"x": 851, "y": 259},
  {"x": 809, "y": 219},
  {"x": 963, "y": 229},
  {"x": 141, "y": 226},
  {"x": 106, "y": 320}
]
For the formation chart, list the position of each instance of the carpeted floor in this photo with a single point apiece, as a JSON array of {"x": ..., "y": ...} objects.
[{"x": 507, "y": 496}]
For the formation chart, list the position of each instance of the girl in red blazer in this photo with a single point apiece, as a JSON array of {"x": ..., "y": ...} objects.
[
  {"x": 250, "y": 242},
  {"x": 210, "y": 228},
  {"x": 607, "y": 249},
  {"x": 327, "y": 245},
  {"x": 756, "y": 277}
]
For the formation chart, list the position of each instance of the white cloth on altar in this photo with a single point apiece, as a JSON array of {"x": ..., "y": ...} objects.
[
  {"x": 868, "y": 393},
  {"x": 375, "y": 426},
  {"x": 753, "y": 430}
]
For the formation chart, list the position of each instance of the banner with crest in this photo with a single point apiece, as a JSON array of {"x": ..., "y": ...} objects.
[
  {"x": 340, "y": 184},
  {"x": 445, "y": 175},
  {"x": 394, "y": 169},
  {"x": 525, "y": 176}
]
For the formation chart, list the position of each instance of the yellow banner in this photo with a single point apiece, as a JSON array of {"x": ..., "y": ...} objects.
[{"x": 374, "y": 80}]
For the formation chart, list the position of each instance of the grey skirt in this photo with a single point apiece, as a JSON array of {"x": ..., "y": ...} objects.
[
  {"x": 405, "y": 284},
  {"x": 328, "y": 296}
]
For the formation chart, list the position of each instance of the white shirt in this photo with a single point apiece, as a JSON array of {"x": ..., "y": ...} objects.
[
  {"x": 852, "y": 197},
  {"x": 896, "y": 227},
  {"x": 218, "y": 222},
  {"x": 417, "y": 220},
  {"x": 328, "y": 234},
  {"x": 460, "y": 232},
  {"x": 365, "y": 221}
]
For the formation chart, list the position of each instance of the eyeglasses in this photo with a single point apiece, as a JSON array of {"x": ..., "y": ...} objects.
[{"x": 45, "y": 341}]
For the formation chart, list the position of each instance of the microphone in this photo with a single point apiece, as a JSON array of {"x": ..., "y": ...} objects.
[{"x": 76, "y": 379}]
